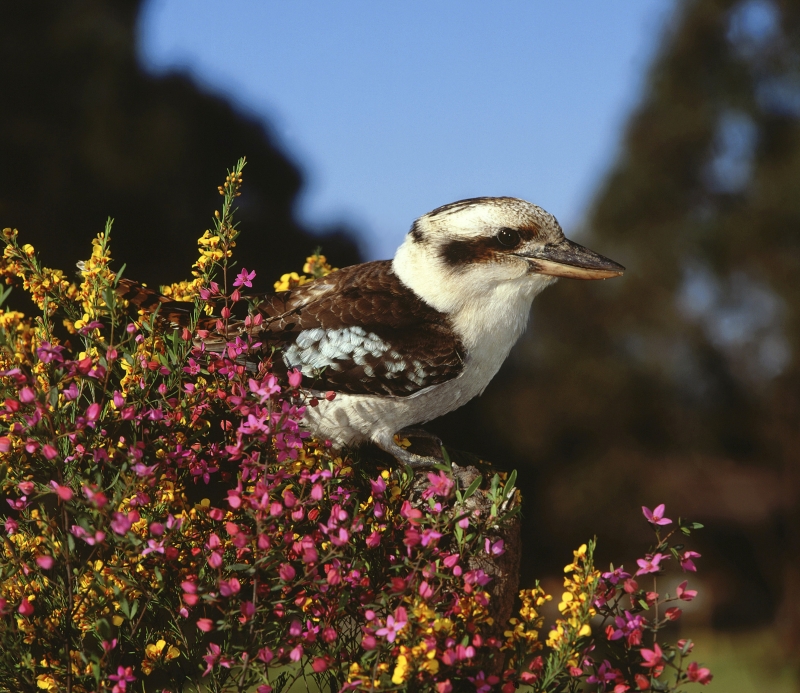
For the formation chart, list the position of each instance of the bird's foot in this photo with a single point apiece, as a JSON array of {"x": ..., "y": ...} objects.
[
  {"x": 425, "y": 449},
  {"x": 411, "y": 459}
]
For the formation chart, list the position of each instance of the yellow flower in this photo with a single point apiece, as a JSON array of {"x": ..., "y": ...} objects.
[
  {"x": 46, "y": 682},
  {"x": 155, "y": 651},
  {"x": 400, "y": 670},
  {"x": 290, "y": 281}
]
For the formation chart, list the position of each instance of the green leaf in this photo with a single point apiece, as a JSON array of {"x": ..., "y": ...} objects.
[
  {"x": 516, "y": 510},
  {"x": 109, "y": 297},
  {"x": 509, "y": 487},
  {"x": 474, "y": 486},
  {"x": 657, "y": 685},
  {"x": 4, "y": 294}
]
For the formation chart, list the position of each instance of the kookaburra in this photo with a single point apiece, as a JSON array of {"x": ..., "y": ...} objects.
[{"x": 407, "y": 340}]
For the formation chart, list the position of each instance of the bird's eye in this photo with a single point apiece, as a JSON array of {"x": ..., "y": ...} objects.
[{"x": 508, "y": 237}]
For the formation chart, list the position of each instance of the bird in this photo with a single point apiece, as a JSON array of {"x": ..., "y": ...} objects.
[{"x": 401, "y": 342}]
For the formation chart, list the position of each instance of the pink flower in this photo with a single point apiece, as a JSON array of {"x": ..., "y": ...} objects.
[
  {"x": 247, "y": 609},
  {"x": 49, "y": 452},
  {"x": 205, "y": 624},
  {"x": 193, "y": 368},
  {"x": 27, "y": 395},
  {"x": 652, "y": 658},
  {"x": 295, "y": 378},
  {"x": 64, "y": 492},
  {"x": 25, "y": 607},
  {"x": 286, "y": 572},
  {"x": 378, "y": 487},
  {"x": 96, "y": 498},
  {"x": 121, "y": 523},
  {"x": 439, "y": 484},
  {"x": 686, "y": 561},
  {"x": 45, "y": 562},
  {"x": 123, "y": 677},
  {"x": 244, "y": 278},
  {"x": 93, "y": 412},
  {"x": 87, "y": 536},
  {"x": 393, "y": 625},
  {"x": 153, "y": 546},
  {"x": 410, "y": 513},
  {"x": 656, "y": 516},
  {"x": 650, "y": 564},
  {"x": 495, "y": 549},
  {"x": 5, "y": 444},
  {"x": 697, "y": 675},
  {"x": 229, "y": 587},
  {"x": 682, "y": 593},
  {"x": 373, "y": 540},
  {"x": 213, "y": 657},
  {"x": 47, "y": 352}
]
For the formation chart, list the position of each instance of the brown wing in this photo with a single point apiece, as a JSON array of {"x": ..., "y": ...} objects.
[{"x": 360, "y": 330}]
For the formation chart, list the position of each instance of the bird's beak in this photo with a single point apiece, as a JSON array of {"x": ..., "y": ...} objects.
[{"x": 568, "y": 259}]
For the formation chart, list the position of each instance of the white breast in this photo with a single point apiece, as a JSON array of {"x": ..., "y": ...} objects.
[{"x": 488, "y": 327}]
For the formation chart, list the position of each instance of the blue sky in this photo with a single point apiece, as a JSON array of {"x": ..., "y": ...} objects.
[{"x": 393, "y": 108}]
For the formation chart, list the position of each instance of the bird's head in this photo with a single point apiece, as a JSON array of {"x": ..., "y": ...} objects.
[{"x": 480, "y": 245}]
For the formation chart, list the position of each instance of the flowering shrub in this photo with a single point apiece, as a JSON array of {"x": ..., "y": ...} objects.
[{"x": 170, "y": 526}]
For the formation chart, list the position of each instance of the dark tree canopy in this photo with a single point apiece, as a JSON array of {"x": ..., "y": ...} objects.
[{"x": 85, "y": 134}]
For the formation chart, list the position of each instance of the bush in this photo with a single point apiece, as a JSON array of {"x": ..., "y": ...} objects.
[{"x": 170, "y": 526}]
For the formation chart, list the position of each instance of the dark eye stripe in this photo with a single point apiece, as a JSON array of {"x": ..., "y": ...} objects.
[{"x": 464, "y": 252}]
